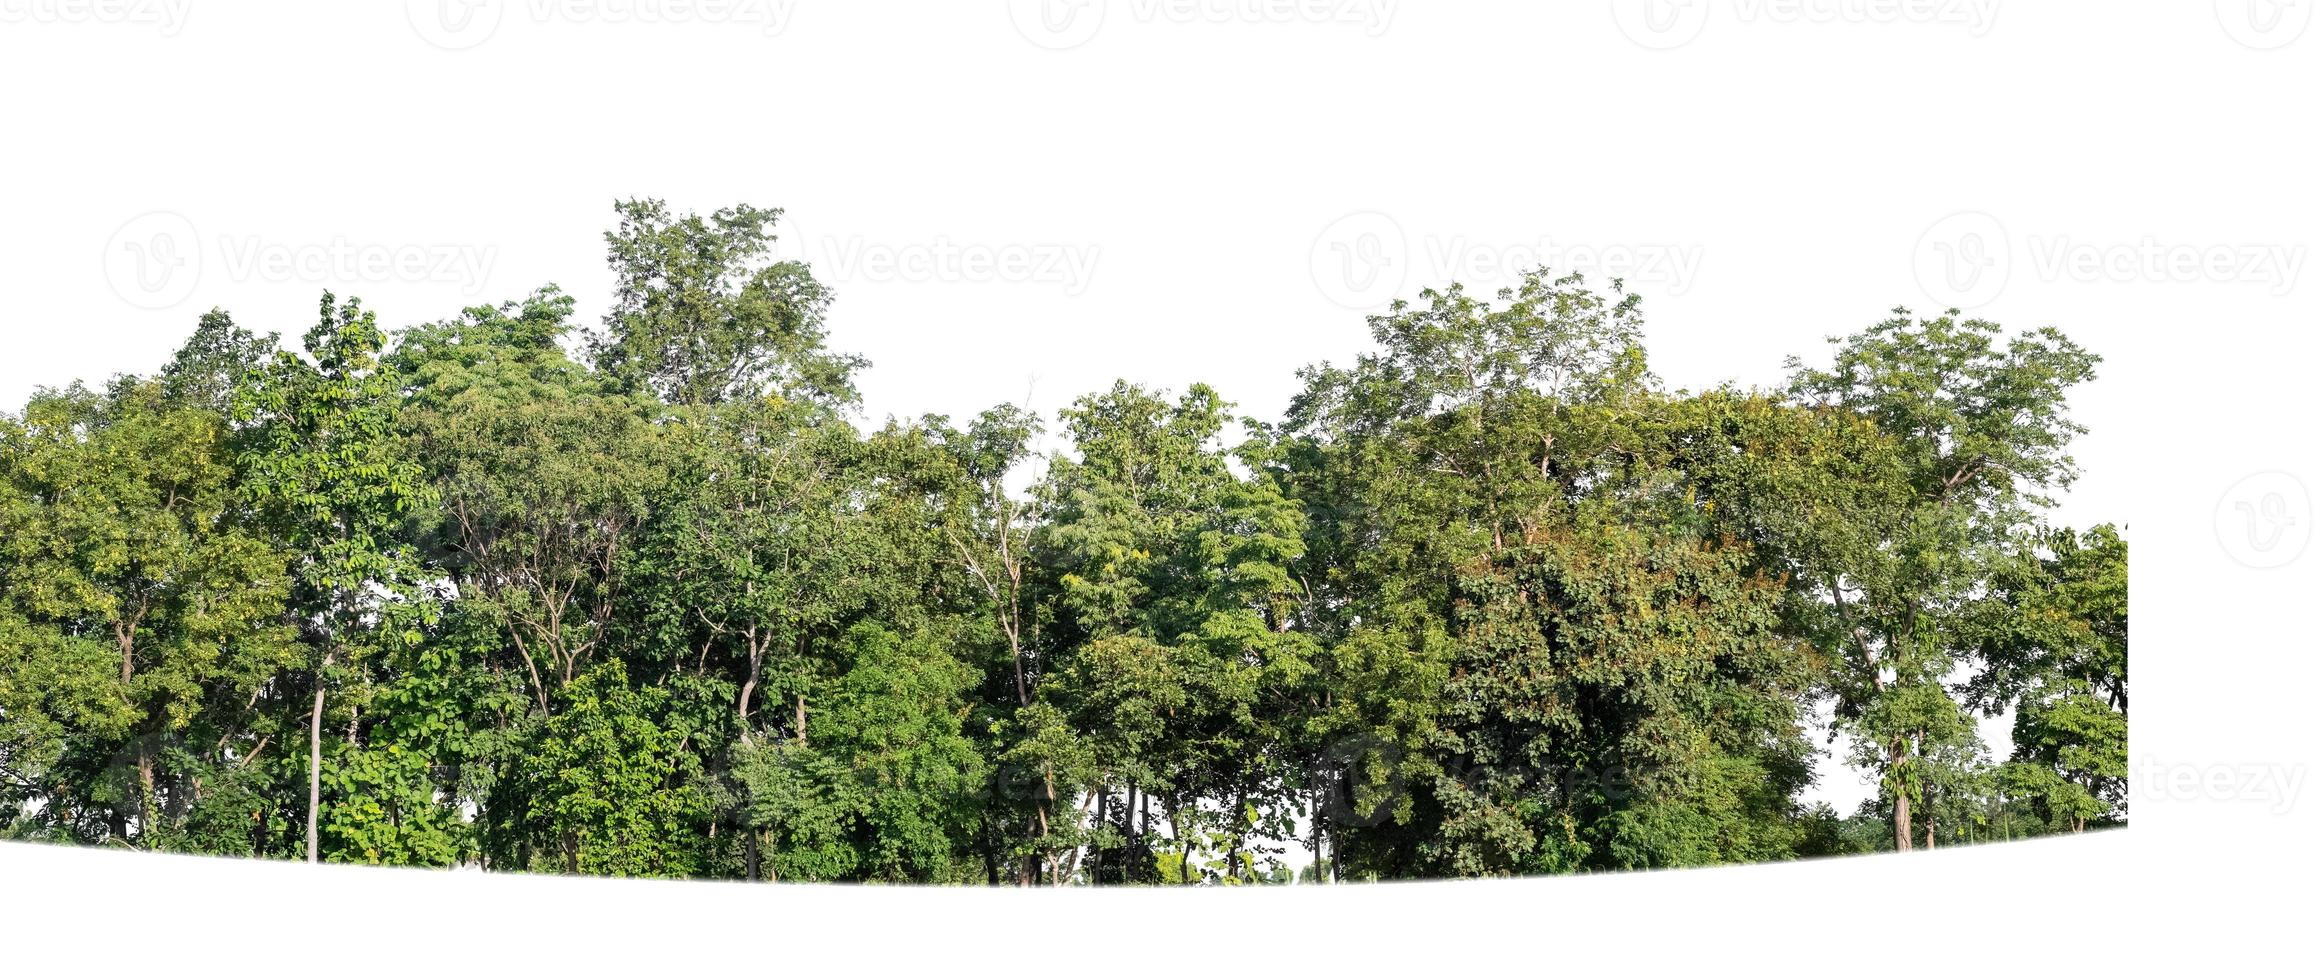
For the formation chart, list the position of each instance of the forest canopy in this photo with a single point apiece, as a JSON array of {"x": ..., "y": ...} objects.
[{"x": 646, "y": 598}]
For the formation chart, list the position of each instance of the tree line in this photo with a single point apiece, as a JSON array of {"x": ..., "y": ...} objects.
[{"x": 645, "y": 599}]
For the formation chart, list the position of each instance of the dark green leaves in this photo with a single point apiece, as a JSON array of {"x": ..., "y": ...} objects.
[{"x": 1489, "y": 601}]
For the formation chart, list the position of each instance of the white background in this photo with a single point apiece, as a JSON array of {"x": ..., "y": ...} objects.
[{"x": 1031, "y": 199}]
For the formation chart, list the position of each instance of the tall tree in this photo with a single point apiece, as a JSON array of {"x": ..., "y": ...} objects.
[
  {"x": 1980, "y": 434},
  {"x": 324, "y": 463},
  {"x": 2052, "y": 638},
  {"x": 702, "y": 313},
  {"x": 122, "y": 539},
  {"x": 1174, "y": 652},
  {"x": 1490, "y": 600},
  {"x": 1585, "y": 674}
]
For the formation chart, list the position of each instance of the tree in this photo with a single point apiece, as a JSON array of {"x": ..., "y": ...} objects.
[
  {"x": 701, "y": 314},
  {"x": 1512, "y": 513},
  {"x": 1979, "y": 434},
  {"x": 1172, "y": 639},
  {"x": 136, "y": 597},
  {"x": 1489, "y": 600},
  {"x": 990, "y": 529},
  {"x": 603, "y": 785},
  {"x": 324, "y": 464},
  {"x": 2053, "y": 643},
  {"x": 543, "y": 469}
]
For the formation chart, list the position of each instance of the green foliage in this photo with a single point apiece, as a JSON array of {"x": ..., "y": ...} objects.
[
  {"x": 601, "y": 788},
  {"x": 1170, "y": 653},
  {"x": 646, "y": 601},
  {"x": 2055, "y": 641},
  {"x": 887, "y": 782},
  {"x": 1975, "y": 435},
  {"x": 701, "y": 315},
  {"x": 138, "y": 606}
]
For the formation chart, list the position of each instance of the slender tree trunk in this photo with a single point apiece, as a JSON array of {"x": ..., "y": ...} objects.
[
  {"x": 1096, "y": 848},
  {"x": 1317, "y": 818},
  {"x": 991, "y": 859},
  {"x": 1895, "y": 758},
  {"x": 1185, "y": 875},
  {"x": 314, "y": 766},
  {"x": 749, "y": 854},
  {"x": 124, "y": 636},
  {"x": 749, "y": 687},
  {"x": 144, "y": 792},
  {"x": 1241, "y": 827},
  {"x": 1128, "y": 862}
]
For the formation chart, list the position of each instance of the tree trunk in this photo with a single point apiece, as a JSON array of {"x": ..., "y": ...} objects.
[
  {"x": 1241, "y": 827},
  {"x": 314, "y": 767},
  {"x": 1317, "y": 818},
  {"x": 1096, "y": 846},
  {"x": 125, "y": 637},
  {"x": 750, "y": 682},
  {"x": 1902, "y": 801},
  {"x": 144, "y": 792}
]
